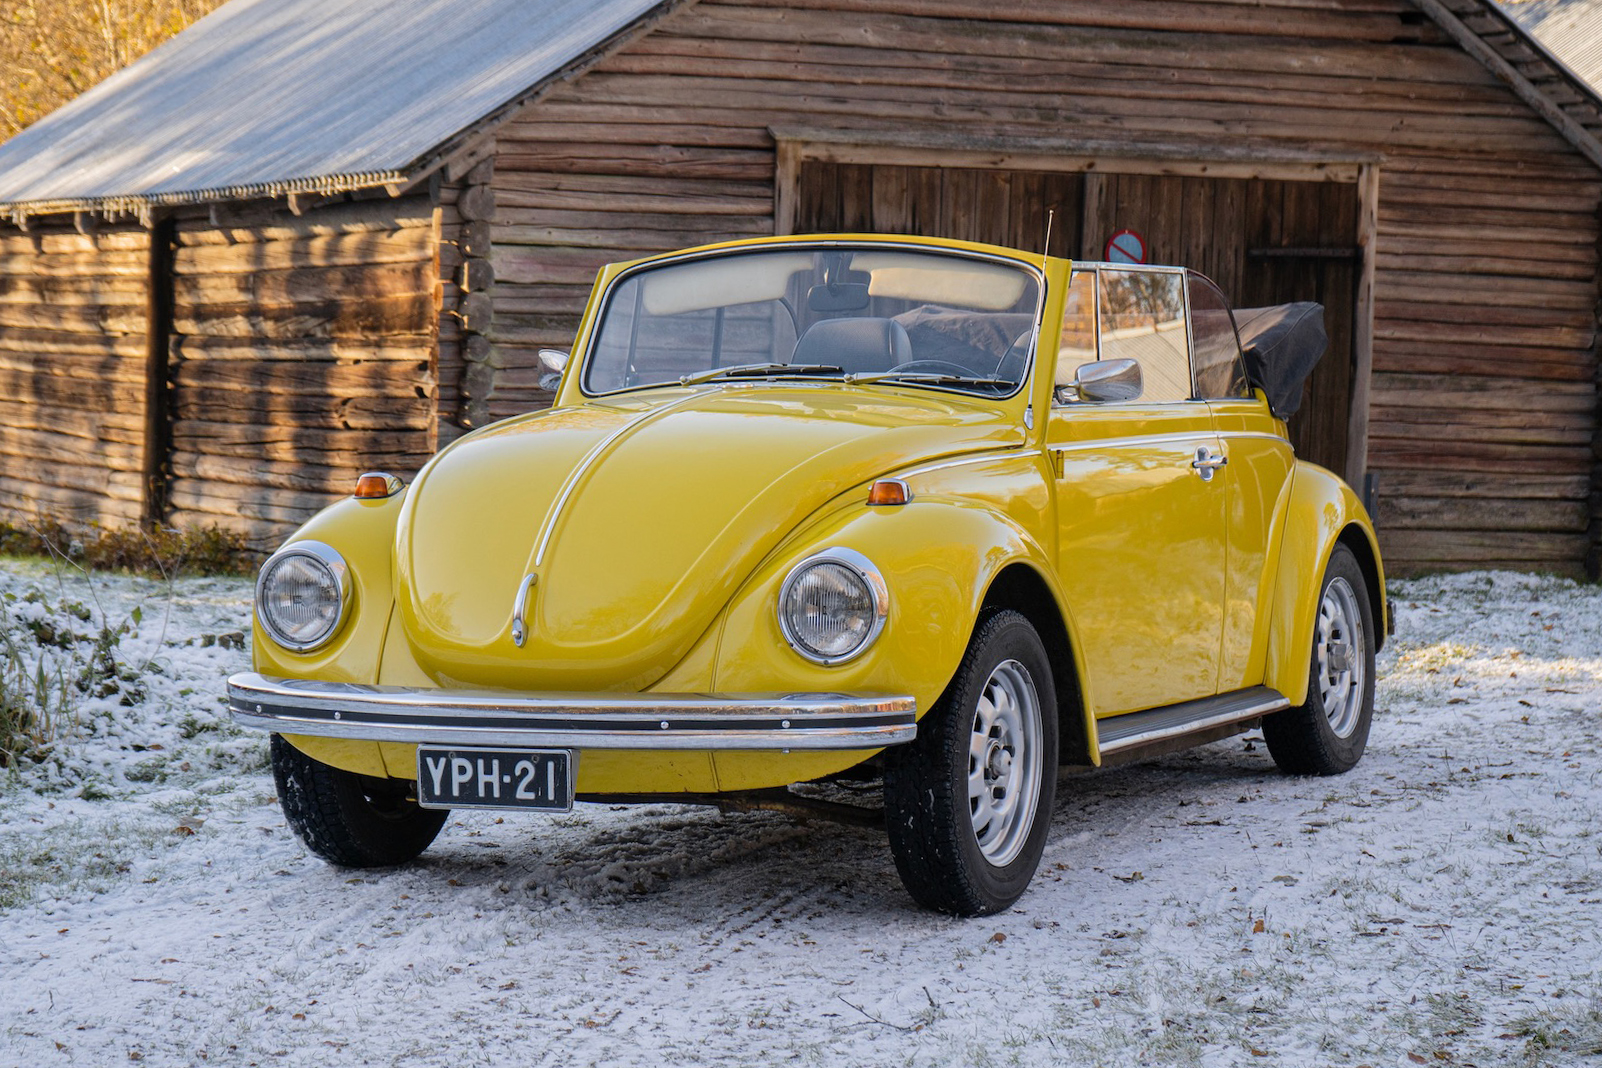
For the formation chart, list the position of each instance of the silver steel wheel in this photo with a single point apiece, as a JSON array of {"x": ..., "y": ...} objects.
[
  {"x": 1004, "y": 763},
  {"x": 1339, "y": 654}
]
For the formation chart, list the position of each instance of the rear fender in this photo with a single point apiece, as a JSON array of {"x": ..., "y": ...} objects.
[{"x": 1322, "y": 510}]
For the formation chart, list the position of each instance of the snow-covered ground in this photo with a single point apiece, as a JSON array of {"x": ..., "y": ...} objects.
[{"x": 1438, "y": 905}]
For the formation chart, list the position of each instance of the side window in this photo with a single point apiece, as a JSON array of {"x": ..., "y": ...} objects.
[
  {"x": 1143, "y": 319},
  {"x": 1077, "y": 344},
  {"x": 1220, "y": 372}
]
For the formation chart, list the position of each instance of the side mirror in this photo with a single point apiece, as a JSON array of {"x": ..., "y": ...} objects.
[
  {"x": 1107, "y": 380},
  {"x": 552, "y": 363}
]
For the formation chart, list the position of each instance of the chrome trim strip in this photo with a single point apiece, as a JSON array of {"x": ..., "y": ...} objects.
[
  {"x": 1142, "y": 439},
  {"x": 791, "y": 242},
  {"x": 572, "y": 720},
  {"x": 582, "y": 469},
  {"x": 941, "y": 465},
  {"x": 1138, "y": 728}
]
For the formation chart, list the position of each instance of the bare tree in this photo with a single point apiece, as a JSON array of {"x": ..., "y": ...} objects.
[{"x": 52, "y": 50}]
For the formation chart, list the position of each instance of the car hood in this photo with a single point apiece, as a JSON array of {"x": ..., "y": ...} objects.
[{"x": 639, "y": 520}]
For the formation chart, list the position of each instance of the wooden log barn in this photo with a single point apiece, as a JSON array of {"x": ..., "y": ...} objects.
[{"x": 304, "y": 240}]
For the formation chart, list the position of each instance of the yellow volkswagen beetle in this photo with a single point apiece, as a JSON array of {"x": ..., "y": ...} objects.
[{"x": 948, "y": 514}]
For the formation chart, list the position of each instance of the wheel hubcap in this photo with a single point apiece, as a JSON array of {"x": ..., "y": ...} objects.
[
  {"x": 1004, "y": 761},
  {"x": 1338, "y": 657}
]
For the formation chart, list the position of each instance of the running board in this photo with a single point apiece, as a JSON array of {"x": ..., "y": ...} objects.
[{"x": 1118, "y": 733}]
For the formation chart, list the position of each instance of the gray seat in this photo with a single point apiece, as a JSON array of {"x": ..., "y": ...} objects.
[{"x": 856, "y": 346}]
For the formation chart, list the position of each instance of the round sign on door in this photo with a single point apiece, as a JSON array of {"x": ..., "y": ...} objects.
[{"x": 1126, "y": 246}]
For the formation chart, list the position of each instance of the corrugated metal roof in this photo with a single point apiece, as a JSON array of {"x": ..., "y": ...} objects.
[
  {"x": 1570, "y": 29},
  {"x": 271, "y": 96}
]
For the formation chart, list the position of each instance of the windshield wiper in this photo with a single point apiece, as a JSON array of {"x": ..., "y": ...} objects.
[
  {"x": 746, "y": 370},
  {"x": 931, "y": 378}
]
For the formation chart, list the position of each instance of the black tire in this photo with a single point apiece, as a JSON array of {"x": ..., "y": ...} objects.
[
  {"x": 1327, "y": 733},
  {"x": 355, "y": 821},
  {"x": 935, "y": 833}
]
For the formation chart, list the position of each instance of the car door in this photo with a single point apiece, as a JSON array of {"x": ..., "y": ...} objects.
[
  {"x": 1256, "y": 481},
  {"x": 1140, "y": 511}
]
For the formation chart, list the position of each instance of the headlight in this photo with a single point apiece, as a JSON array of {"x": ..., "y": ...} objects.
[
  {"x": 833, "y": 605},
  {"x": 302, "y": 595}
]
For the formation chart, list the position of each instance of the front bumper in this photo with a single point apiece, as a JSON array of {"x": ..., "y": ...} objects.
[{"x": 571, "y": 720}]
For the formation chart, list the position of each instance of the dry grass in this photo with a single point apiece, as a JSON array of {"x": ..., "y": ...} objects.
[{"x": 53, "y": 50}]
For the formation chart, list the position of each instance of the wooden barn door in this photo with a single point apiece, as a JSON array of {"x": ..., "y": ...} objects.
[
  {"x": 1262, "y": 241},
  {"x": 993, "y": 206}
]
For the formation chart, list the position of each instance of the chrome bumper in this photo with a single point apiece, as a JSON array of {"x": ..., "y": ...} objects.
[{"x": 572, "y": 720}]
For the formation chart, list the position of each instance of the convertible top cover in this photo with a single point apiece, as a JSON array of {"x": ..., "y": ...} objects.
[{"x": 1282, "y": 344}]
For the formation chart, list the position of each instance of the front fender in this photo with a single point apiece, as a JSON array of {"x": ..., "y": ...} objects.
[
  {"x": 938, "y": 558},
  {"x": 363, "y": 532},
  {"x": 1322, "y": 510}
]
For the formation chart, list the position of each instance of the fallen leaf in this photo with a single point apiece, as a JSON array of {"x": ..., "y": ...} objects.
[
  {"x": 1258, "y": 927},
  {"x": 1416, "y": 1059},
  {"x": 998, "y": 938}
]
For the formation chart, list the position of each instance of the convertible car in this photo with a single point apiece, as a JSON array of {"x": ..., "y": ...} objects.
[{"x": 945, "y": 516}]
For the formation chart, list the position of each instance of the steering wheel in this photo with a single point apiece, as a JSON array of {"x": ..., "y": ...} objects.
[{"x": 944, "y": 367}]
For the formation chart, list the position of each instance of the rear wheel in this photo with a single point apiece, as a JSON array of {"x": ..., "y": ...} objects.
[
  {"x": 1328, "y": 732},
  {"x": 355, "y": 821},
  {"x": 968, "y": 802}
]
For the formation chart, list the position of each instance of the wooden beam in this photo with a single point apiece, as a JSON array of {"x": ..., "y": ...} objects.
[
  {"x": 1474, "y": 45},
  {"x": 157, "y": 442},
  {"x": 786, "y": 189},
  {"x": 1363, "y": 329},
  {"x": 1189, "y": 159}
]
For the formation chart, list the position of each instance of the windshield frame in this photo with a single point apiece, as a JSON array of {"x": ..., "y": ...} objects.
[{"x": 1035, "y": 270}]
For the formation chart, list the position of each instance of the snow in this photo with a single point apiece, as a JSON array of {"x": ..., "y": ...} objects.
[{"x": 1440, "y": 904}]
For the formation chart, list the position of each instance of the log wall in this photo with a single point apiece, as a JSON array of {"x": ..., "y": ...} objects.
[
  {"x": 72, "y": 373},
  {"x": 304, "y": 351},
  {"x": 1484, "y": 386}
]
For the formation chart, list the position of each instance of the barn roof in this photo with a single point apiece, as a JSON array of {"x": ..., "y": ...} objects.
[
  {"x": 1570, "y": 29},
  {"x": 265, "y": 97},
  {"x": 268, "y": 97}
]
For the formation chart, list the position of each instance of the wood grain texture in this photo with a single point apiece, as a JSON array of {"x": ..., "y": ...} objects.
[
  {"x": 73, "y": 347},
  {"x": 1476, "y": 224},
  {"x": 305, "y": 349}
]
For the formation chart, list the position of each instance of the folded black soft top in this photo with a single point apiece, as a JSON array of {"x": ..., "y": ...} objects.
[{"x": 1281, "y": 345}]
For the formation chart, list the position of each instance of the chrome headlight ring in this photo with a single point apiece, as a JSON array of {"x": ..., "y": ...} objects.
[
  {"x": 873, "y": 589},
  {"x": 320, "y": 565}
]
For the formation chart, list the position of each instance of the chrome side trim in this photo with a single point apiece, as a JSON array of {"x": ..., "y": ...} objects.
[
  {"x": 1155, "y": 724},
  {"x": 1143, "y": 439},
  {"x": 572, "y": 720}
]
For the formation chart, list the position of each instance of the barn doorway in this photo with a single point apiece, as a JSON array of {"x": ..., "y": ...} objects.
[{"x": 1263, "y": 240}]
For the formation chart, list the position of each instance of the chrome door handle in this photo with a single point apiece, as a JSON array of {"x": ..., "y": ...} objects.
[{"x": 1206, "y": 462}]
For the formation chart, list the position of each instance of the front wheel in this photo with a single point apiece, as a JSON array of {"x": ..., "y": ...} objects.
[
  {"x": 1328, "y": 732},
  {"x": 355, "y": 821},
  {"x": 968, "y": 802}
]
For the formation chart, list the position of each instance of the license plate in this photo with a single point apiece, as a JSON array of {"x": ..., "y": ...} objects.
[{"x": 495, "y": 778}]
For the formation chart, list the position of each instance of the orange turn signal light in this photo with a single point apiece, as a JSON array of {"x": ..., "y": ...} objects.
[
  {"x": 889, "y": 491},
  {"x": 375, "y": 485}
]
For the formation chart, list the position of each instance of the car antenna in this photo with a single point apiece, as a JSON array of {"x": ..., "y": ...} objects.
[{"x": 1051, "y": 213}]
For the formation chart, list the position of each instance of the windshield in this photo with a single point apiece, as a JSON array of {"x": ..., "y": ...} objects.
[{"x": 924, "y": 318}]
